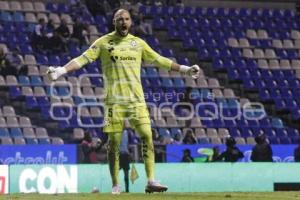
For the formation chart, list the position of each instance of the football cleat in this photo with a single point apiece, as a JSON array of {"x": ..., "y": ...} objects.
[
  {"x": 155, "y": 186},
  {"x": 116, "y": 190}
]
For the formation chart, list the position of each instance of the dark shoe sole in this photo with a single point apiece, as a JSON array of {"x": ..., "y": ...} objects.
[{"x": 155, "y": 189}]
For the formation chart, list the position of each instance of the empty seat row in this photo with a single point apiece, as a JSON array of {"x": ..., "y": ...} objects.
[
  {"x": 23, "y": 6},
  {"x": 30, "y": 141},
  {"x": 276, "y": 64},
  {"x": 216, "y": 12},
  {"x": 250, "y": 43},
  {"x": 36, "y": 80},
  {"x": 15, "y": 122},
  {"x": 27, "y": 132},
  {"x": 31, "y": 17}
]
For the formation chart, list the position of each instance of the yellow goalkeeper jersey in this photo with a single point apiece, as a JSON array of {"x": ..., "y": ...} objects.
[{"x": 121, "y": 59}]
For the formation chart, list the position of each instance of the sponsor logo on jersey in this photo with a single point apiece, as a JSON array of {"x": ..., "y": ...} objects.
[{"x": 124, "y": 58}]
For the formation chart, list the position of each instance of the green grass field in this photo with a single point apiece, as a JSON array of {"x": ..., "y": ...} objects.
[{"x": 164, "y": 196}]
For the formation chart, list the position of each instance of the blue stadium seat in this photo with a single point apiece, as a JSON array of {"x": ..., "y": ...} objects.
[
  {"x": 63, "y": 91},
  {"x": 65, "y": 59},
  {"x": 285, "y": 140},
  {"x": 264, "y": 95},
  {"x": 54, "y": 60},
  {"x": 75, "y": 51},
  {"x": 18, "y": 17},
  {"x": 52, "y": 7},
  {"x": 31, "y": 141},
  {"x": 59, "y": 112},
  {"x": 43, "y": 101},
  {"x": 286, "y": 93},
  {"x": 78, "y": 100},
  {"x": 14, "y": 92},
  {"x": 291, "y": 104},
  {"x": 276, "y": 123},
  {"x": 16, "y": 132},
  {"x": 5, "y": 16},
  {"x": 93, "y": 68},
  {"x": 281, "y": 132},
  {"x": 36, "y": 81},
  {"x": 158, "y": 23},
  {"x": 20, "y": 27},
  {"x": 173, "y": 34},
  {"x": 219, "y": 65},
  {"x": 96, "y": 81},
  {"x": 203, "y": 54},
  {"x": 295, "y": 140},
  {"x": 167, "y": 52},
  {"x": 26, "y": 49},
  {"x": 44, "y": 141},
  {"x": 151, "y": 72},
  {"x": 166, "y": 82},
  {"x": 175, "y": 131},
  {"x": 275, "y": 93},
  {"x": 4, "y": 132},
  {"x": 12, "y": 40},
  {"x": 296, "y": 114},
  {"x": 218, "y": 123},
  {"x": 208, "y": 123},
  {"x": 273, "y": 140},
  {"x": 41, "y": 59},
  {"x": 189, "y": 11},
  {"x": 45, "y": 112},
  {"x": 62, "y": 8},
  {"x": 229, "y": 123},
  {"x": 203, "y": 140},
  {"x": 73, "y": 122},
  {"x": 9, "y": 27},
  {"x": 87, "y": 121},
  {"x": 31, "y": 102},
  {"x": 50, "y": 91},
  {"x": 164, "y": 132},
  {"x": 269, "y": 132},
  {"x": 169, "y": 22},
  {"x": 181, "y": 22},
  {"x": 178, "y": 83},
  {"x": 24, "y": 80},
  {"x": 101, "y": 19},
  {"x": 265, "y": 122}
]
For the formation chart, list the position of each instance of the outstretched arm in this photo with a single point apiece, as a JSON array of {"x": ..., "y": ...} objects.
[
  {"x": 192, "y": 71},
  {"x": 175, "y": 66},
  {"x": 88, "y": 56},
  {"x": 72, "y": 66},
  {"x": 54, "y": 73},
  {"x": 150, "y": 56}
]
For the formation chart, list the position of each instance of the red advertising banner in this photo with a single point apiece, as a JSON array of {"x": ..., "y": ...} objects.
[{"x": 2, "y": 184}]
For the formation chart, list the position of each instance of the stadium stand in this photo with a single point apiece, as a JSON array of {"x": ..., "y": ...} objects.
[
  {"x": 16, "y": 129},
  {"x": 250, "y": 45}
]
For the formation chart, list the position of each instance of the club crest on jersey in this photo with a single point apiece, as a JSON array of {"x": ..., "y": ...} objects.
[{"x": 133, "y": 43}]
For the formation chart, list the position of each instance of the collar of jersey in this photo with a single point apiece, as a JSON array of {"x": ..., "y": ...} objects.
[{"x": 120, "y": 37}]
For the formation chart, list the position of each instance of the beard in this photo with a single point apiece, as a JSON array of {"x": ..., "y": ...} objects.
[{"x": 122, "y": 30}]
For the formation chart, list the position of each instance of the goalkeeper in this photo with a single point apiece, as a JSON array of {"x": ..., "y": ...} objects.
[{"x": 121, "y": 55}]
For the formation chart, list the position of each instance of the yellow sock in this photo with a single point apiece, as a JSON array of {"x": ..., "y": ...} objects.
[
  {"x": 145, "y": 132},
  {"x": 113, "y": 156}
]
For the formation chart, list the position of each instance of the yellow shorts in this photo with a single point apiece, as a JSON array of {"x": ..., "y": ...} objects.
[{"x": 115, "y": 115}]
